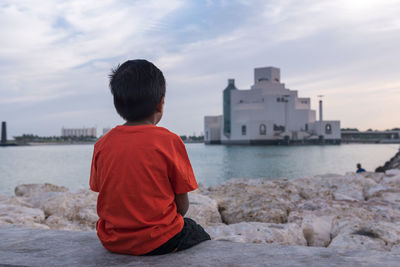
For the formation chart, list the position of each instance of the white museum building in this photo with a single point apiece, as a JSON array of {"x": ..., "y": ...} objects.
[{"x": 268, "y": 113}]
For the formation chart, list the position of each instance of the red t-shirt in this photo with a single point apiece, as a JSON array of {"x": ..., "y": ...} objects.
[{"x": 137, "y": 171}]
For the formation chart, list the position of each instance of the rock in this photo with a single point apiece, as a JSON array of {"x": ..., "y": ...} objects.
[
  {"x": 254, "y": 200},
  {"x": 354, "y": 241},
  {"x": 335, "y": 187},
  {"x": 375, "y": 191},
  {"x": 316, "y": 187},
  {"x": 393, "y": 163},
  {"x": 378, "y": 234},
  {"x": 38, "y": 194},
  {"x": 386, "y": 231},
  {"x": 27, "y": 190},
  {"x": 392, "y": 182},
  {"x": 396, "y": 249},
  {"x": 333, "y": 208},
  {"x": 16, "y": 212},
  {"x": 383, "y": 210},
  {"x": 61, "y": 223},
  {"x": 346, "y": 211},
  {"x": 376, "y": 176},
  {"x": 203, "y": 210},
  {"x": 74, "y": 211},
  {"x": 255, "y": 232},
  {"x": 36, "y": 247},
  {"x": 78, "y": 208},
  {"x": 393, "y": 197},
  {"x": 392, "y": 172},
  {"x": 317, "y": 230}
]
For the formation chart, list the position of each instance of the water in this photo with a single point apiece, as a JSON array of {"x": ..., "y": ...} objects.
[{"x": 69, "y": 165}]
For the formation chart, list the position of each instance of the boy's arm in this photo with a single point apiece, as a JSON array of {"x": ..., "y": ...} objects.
[{"x": 182, "y": 203}]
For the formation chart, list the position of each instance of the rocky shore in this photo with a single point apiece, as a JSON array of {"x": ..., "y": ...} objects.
[
  {"x": 393, "y": 163},
  {"x": 357, "y": 211}
]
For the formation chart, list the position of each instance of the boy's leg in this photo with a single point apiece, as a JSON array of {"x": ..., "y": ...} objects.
[
  {"x": 190, "y": 235},
  {"x": 167, "y": 247}
]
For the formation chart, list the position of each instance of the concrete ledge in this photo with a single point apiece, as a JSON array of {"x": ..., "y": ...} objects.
[{"x": 36, "y": 247}]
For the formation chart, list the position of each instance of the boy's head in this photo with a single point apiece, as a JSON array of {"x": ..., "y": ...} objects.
[{"x": 138, "y": 87}]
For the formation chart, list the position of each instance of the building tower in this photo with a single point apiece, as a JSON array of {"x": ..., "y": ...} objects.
[
  {"x": 3, "y": 133},
  {"x": 227, "y": 107},
  {"x": 320, "y": 107}
]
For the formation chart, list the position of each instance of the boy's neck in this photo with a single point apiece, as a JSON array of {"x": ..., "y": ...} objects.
[
  {"x": 152, "y": 120},
  {"x": 136, "y": 123}
]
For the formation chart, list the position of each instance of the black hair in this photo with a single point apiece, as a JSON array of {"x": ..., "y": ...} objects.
[{"x": 137, "y": 86}]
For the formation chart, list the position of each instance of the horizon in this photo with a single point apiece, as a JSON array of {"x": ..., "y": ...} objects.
[{"x": 56, "y": 57}]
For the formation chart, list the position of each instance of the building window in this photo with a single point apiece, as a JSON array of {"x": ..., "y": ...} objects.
[
  {"x": 279, "y": 128},
  {"x": 243, "y": 129},
  {"x": 328, "y": 129},
  {"x": 263, "y": 129}
]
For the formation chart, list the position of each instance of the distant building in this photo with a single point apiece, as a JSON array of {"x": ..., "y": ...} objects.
[
  {"x": 78, "y": 132},
  {"x": 392, "y": 136},
  {"x": 268, "y": 113}
]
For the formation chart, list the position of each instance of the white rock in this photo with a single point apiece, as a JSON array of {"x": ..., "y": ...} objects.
[
  {"x": 19, "y": 213},
  {"x": 77, "y": 210},
  {"x": 203, "y": 210},
  {"x": 317, "y": 230},
  {"x": 393, "y": 197},
  {"x": 261, "y": 200},
  {"x": 352, "y": 241},
  {"x": 350, "y": 211},
  {"x": 389, "y": 232},
  {"x": 32, "y": 189},
  {"x": 396, "y": 249},
  {"x": 392, "y": 182},
  {"x": 376, "y": 176},
  {"x": 61, "y": 223},
  {"x": 393, "y": 172},
  {"x": 255, "y": 232},
  {"x": 375, "y": 191}
]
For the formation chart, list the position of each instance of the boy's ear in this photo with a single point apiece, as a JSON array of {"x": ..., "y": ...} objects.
[{"x": 160, "y": 106}]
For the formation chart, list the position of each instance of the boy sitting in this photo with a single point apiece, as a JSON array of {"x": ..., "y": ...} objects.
[{"x": 142, "y": 172}]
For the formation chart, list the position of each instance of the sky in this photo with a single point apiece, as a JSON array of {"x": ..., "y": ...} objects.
[{"x": 55, "y": 57}]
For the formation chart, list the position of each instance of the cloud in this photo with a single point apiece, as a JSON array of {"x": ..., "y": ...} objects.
[{"x": 55, "y": 56}]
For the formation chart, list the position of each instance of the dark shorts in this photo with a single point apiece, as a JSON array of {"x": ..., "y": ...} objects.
[{"x": 190, "y": 235}]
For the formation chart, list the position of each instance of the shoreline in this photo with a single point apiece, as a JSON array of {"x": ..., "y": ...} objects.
[
  {"x": 337, "y": 211},
  {"x": 392, "y": 163},
  {"x": 202, "y": 142}
]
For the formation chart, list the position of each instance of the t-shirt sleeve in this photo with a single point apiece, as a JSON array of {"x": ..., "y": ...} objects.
[
  {"x": 180, "y": 171},
  {"x": 93, "y": 182}
]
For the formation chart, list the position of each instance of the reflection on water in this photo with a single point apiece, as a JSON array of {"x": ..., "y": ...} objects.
[
  {"x": 69, "y": 165},
  {"x": 214, "y": 164}
]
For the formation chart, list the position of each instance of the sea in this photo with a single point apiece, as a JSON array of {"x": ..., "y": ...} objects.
[{"x": 69, "y": 165}]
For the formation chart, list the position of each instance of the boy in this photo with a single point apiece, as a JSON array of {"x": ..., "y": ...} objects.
[{"x": 142, "y": 172}]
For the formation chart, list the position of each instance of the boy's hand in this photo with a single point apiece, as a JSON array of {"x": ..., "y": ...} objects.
[{"x": 182, "y": 203}]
